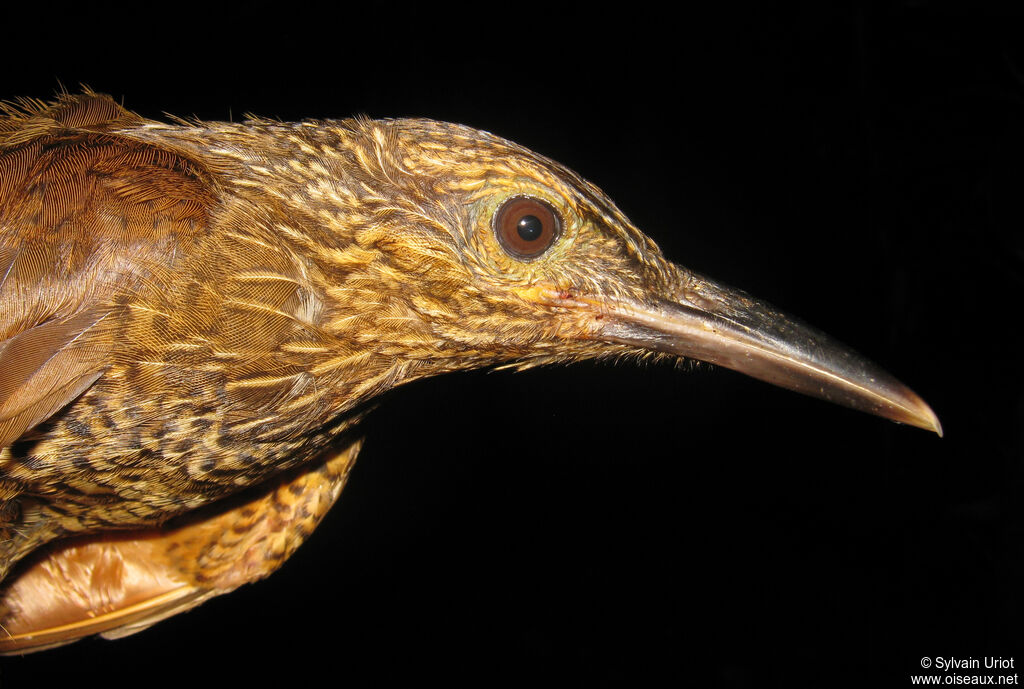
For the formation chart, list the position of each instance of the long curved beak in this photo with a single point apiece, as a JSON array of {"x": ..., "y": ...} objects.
[{"x": 714, "y": 323}]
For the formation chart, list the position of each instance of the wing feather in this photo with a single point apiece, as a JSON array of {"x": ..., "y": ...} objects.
[
  {"x": 86, "y": 217},
  {"x": 119, "y": 584}
]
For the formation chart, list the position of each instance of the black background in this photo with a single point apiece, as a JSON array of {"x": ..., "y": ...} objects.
[{"x": 860, "y": 166}]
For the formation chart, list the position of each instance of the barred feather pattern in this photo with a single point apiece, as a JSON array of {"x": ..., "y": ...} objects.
[
  {"x": 211, "y": 303},
  {"x": 195, "y": 317},
  {"x": 118, "y": 585}
]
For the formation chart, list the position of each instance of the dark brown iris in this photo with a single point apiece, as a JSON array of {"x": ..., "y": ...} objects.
[{"x": 526, "y": 227}]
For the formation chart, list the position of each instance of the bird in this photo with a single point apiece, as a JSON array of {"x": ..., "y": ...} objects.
[{"x": 195, "y": 318}]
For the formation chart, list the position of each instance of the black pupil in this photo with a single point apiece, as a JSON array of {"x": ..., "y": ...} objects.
[{"x": 529, "y": 228}]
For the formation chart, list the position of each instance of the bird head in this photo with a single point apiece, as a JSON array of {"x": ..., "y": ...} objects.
[
  {"x": 438, "y": 247},
  {"x": 463, "y": 249}
]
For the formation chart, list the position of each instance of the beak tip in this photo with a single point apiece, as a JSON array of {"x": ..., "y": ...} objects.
[
  {"x": 922, "y": 415},
  {"x": 936, "y": 425}
]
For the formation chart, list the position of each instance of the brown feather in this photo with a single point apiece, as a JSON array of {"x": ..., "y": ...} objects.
[
  {"x": 192, "y": 310},
  {"x": 120, "y": 584},
  {"x": 44, "y": 368}
]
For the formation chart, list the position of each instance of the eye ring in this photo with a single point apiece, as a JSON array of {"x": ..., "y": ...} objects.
[{"x": 526, "y": 227}]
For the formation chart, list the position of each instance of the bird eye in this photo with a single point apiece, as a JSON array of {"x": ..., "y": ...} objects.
[{"x": 526, "y": 227}]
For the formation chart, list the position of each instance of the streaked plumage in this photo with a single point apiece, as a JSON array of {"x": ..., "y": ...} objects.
[{"x": 195, "y": 312}]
